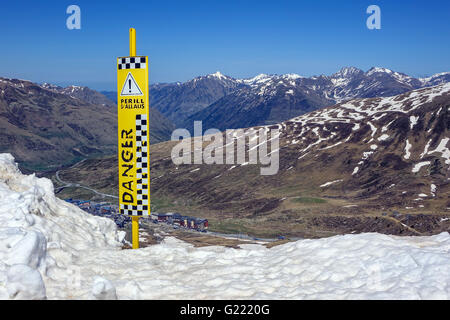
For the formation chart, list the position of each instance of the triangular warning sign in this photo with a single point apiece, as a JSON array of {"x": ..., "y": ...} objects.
[{"x": 130, "y": 87}]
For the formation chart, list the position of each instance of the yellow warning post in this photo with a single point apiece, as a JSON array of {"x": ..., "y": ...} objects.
[
  {"x": 133, "y": 137},
  {"x": 135, "y": 232},
  {"x": 132, "y": 42},
  {"x": 134, "y": 220}
]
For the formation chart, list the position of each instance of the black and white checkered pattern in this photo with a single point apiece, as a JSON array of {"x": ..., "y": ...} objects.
[
  {"x": 142, "y": 174},
  {"x": 131, "y": 210},
  {"x": 132, "y": 63},
  {"x": 142, "y": 159}
]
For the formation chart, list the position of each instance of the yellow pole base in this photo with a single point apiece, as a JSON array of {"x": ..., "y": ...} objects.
[{"x": 135, "y": 232}]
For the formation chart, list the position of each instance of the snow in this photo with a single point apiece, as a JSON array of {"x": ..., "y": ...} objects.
[
  {"x": 345, "y": 267},
  {"x": 425, "y": 150},
  {"x": 292, "y": 76},
  {"x": 433, "y": 189},
  {"x": 334, "y": 145},
  {"x": 218, "y": 75},
  {"x": 326, "y": 184},
  {"x": 383, "y": 137},
  {"x": 386, "y": 127},
  {"x": 42, "y": 235},
  {"x": 290, "y": 91},
  {"x": 413, "y": 99},
  {"x": 103, "y": 289},
  {"x": 261, "y": 78},
  {"x": 441, "y": 148},
  {"x": 419, "y": 165},
  {"x": 24, "y": 283},
  {"x": 413, "y": 121},
  {"x": 407, "y": 150},
  {"x": 378, "y": 70},
  {"x": 366, "y": 155},
  {"x": 437, "y": 75},
  {"x": 373, "y": 128},
  {"x": 51, "y": 249}
]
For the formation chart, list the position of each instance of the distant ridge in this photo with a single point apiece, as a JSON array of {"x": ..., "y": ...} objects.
[{"x": 223, "y": 102}]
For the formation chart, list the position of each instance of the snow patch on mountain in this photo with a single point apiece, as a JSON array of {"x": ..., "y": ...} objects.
[
  {"x": 419, "y": 165},
  {"x": 326, "y": 184},
  {"x": 407, "y": 150}
]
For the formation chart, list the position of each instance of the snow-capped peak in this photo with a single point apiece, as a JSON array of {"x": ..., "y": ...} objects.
[
  {"x": 218, "y": 75},
  {"x": 347, "y": 72},
  {"x": 47, "y": 85},
  {"x": 378, "y": 70},
  {"x": 435, "y": 77},
  {"x": 260, "y": 78},
  {"x": 292, "y": 76}
]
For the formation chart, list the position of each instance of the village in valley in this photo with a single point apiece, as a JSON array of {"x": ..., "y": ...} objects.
[{"x": 107, "y": 210}]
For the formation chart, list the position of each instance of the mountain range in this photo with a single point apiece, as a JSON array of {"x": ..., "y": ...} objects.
[
  {"x": 223, "y": 102},
  {"x": 46, "y": 125}
]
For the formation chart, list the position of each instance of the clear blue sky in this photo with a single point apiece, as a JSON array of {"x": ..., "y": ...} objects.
[{"x": 243, "y": 38}]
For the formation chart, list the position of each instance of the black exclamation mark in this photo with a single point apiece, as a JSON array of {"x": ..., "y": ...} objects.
[{"x": 129, "y": 85}]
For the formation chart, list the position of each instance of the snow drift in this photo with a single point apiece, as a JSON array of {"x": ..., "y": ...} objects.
[
  {"x": 41, "y": 236},
  {"x": 50, "y": 249}
]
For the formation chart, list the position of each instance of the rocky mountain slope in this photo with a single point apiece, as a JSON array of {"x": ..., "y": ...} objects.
[
  {"x": 160, "y": 127},
  {"x": 41, "y": 127},
  {"x": 46, "y": 125},
  {"x": 374, "y": 164},
  {"x": 177, "y": 101},
  {"x": 223, "y": 102},
  {"x": 263, "y": 99},
  {"x": 83, "y": 93}
]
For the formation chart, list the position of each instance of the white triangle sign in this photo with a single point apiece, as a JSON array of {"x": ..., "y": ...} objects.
[{"x": 130, "y": 87}]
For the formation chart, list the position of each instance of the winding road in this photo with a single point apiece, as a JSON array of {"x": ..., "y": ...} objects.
[{"x": 77, "y": 185}]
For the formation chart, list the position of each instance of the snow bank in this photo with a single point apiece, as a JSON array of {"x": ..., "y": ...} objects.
[
  {"x": 41, "y": 236},
  {"x": 371, "y": 266},
  {"x": 50, "y": 249}
]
